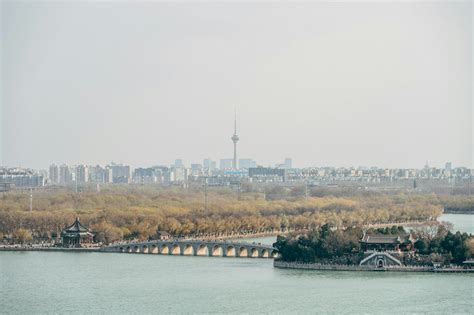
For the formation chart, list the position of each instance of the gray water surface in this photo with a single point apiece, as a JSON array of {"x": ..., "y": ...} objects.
[
  {"x": 61, "y": 282},
  {"x": 114, "y": 283}
]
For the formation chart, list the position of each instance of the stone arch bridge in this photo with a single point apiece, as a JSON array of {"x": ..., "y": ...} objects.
[{"x": 217, "y": 248}]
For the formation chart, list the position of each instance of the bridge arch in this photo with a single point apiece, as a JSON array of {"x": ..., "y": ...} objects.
[
  {"x": 243, "y": 252},
  {"x": 202, "y": 250},
  {"x": 217, "y": 250},
  {"x": 230, "y": 251},
  {"x": 253, "y": 252},
  {"x": 197, "y": 248},
  {"x": 164, "y": 249},
  {"x": 188, "y": 250},
  {"x": 175, "y": 249}
]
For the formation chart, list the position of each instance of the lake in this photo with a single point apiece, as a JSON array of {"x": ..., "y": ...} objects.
[
  {"x": 62, "y": 282},
  {"x": 46, "y": 282},
  {"x": 461, "y": 222}
]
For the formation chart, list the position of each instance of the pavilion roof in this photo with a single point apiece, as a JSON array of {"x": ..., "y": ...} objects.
[{"x": 76, "y": 227}]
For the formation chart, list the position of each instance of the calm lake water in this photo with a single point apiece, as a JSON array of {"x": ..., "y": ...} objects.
[
  {"x": 461, "y": 222},
  {"x": 41, "y": 282},
  {"x": 46, "y": 282}
]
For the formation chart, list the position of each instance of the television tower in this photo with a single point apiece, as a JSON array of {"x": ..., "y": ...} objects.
[{"x": 235, "y": 139}]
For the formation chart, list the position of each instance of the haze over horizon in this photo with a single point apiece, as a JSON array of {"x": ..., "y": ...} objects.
[{"x": 327, "y": 84}]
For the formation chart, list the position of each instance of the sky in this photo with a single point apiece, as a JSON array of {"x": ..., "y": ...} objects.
[{"x": 327, "y": 84}]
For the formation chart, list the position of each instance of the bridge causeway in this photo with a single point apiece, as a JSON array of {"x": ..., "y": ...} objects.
[{"x": 216, "y": 248}]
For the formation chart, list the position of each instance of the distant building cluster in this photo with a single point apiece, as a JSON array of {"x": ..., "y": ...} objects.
[
  {"x": 375, "y": 174},
  {"x": 224, "y": 174},
  {"x": 230, "y": 171},
  {"x": 67, "y": 174},
  {"x": 21, "y": 177}
]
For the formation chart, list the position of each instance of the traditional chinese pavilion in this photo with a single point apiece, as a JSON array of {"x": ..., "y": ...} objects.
[
  {"x": 162, "y": 235},
  {"x": 382, "y": 242},
  {"x": 76, "y": 235}
]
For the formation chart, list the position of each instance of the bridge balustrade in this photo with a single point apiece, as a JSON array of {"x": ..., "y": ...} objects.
[{"x": 216, "y": 248}]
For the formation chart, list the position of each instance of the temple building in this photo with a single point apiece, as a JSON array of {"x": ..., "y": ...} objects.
[
  {"x": 382, "y": 242},
  {"x": 162, "y": 235},
  {"x": 76, "y": 235}
]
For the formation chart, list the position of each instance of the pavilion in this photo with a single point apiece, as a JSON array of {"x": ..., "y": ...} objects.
[{"x": 76, "y": 235}]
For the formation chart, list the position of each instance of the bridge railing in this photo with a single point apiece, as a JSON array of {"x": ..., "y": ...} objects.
[{"x": 195, "y": 248}]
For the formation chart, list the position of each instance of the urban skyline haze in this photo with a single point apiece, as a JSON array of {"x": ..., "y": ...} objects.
[{"x": 328, "y": 84}]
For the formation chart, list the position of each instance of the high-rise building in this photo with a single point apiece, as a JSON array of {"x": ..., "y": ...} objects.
[
  {"x": 213, "y": 165},
  {"x": 235, "y": 139},
  {"x": 98, "y": 174},
  {"x": 448, "y": 166},
  {"x": 147, "y": 175},
  {"x": 178, "y": 175},
  {"x": 82, "y": 173},
  {"x": 65, "y": 175},
  {"x": 196, "y": 167},
  {"x": 120, "y": 173},
  {"x": 20, "y": 177},
  {"x": 93, "y": 174},
  {"x": 54, "y": 174},
  {"x": 226, "y": 164},
  {"x": 178, "y": 163},
  {"x": 247, "y": 163},
  {"x": 108, "y": 175},
  {"x": 209, "y": 164},
  {"x": 288, "y": 163}
]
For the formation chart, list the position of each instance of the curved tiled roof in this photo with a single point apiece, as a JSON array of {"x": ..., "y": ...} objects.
[{"x": 76, "y": 228}]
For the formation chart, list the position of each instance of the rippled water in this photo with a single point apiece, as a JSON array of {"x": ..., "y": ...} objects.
[
  {"x": 45, "y": 282},
  {"x": 113, "y": 283}
]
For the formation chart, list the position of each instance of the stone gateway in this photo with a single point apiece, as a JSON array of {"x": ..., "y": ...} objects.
[{"x": 380, "y": 260}]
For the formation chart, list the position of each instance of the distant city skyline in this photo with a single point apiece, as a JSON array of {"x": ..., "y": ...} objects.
[
  {"x": 328, "y": 84},
  {"x": 226, "y": 175},
  {"x": 243, "y": 163}
]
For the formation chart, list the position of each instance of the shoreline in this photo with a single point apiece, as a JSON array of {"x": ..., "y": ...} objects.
[
  {"x": 276, "y": 233},
  {"x": 49, "y": 249},
  {"x": 327, "y": 267},
  {"x": 470, "y": 212}
]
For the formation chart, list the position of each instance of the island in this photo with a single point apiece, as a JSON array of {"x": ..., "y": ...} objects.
[{"x": 433, "y": 249}]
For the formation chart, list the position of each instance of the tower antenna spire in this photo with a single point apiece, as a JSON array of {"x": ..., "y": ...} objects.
[
  {"x": 235, "y": 139},
  {"x": 235, "y": 120}
]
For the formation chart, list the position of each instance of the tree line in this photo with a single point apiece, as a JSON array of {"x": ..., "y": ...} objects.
[
  {"x": 447, "y": 247},
  {"x": 322, "y": 244},
  {"x": 137, "y": 212},
  {"x": 328, "y": 245}
]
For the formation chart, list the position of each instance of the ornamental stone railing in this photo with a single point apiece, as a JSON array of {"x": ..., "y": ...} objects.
[{"x": 182, "y": 247}]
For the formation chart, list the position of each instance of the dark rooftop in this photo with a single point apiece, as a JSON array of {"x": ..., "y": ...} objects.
[
  {"x": 76, "y": 227},
  {"x": 385, "y": 239}
]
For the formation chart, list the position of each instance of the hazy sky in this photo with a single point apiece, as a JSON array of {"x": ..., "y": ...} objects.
[{"x": 341, "y": 84}]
